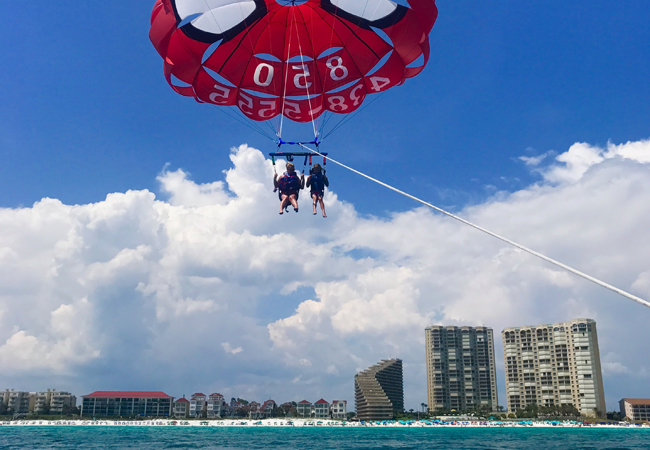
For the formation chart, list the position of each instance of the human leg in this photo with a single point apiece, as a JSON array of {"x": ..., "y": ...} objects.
[
  {"x": 284, "y": 203},
  {"x": 294, "y": 202},
  {"x": 322, "y": 206},
  {"x": 314, "y": 197}
]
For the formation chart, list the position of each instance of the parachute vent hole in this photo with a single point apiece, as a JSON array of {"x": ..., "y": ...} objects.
[
  {"x": 189, "y": 19},
  {"x": 259, "y": 93},
  {"x": 267, "y": 57},
  {"x": 218, "y": 77},
  {"x": 419, "y": 62},
  {"x": 315, "y": 97},
  {"x": 381, "y": 63},
  {"x": 344, "y": 87},
  {"x": 382, "y": 34},
  {"x": 291, "y": 2},
  {"x": 210, "y": 50},
  {"x": 178, "y": 83},
  {"x": 329, "y": 51},
  {"x": 402, "y": 3},
  {"x": 299, "y": 58}
]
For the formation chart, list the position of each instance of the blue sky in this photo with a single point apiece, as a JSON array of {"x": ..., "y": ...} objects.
[
  {"x": 86, "y": 113},
  {"x": 86, "y": 110}
]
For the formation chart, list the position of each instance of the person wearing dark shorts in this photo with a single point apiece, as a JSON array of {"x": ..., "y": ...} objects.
[{"x": 317, "y": 181}]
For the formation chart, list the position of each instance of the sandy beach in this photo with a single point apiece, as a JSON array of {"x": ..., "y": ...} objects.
[{"x": 312, "y": 423}]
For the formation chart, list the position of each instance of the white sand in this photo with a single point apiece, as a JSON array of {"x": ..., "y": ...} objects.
[{"x": 298, "y": 423}]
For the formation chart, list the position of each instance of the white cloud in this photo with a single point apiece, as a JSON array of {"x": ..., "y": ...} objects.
[
  {"x": 535, "y": 161},
  {"x": 229, "y": 349},
  {"x": 136, "y": 290},
  {"x": 581, "y": 156},
  {"x": 614, "y": 368},
  {"x": 184, "y": 192}
]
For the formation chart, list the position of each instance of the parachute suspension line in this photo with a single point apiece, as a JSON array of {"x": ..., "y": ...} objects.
[
  {"x": 254, "y": 127},
  {"x": 270, "y": 127},
  {"x": 302, "y": 62},
  {"x": 326, "y": 116},
  {"x": 253, "y": 45},
  {"x": 345, "y": 119},
  {"x": 286, "y": 75},
  {"x": 501, "y": 238}
]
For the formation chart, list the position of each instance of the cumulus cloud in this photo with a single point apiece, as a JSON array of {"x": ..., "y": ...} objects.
[
  {"x": 140, "y": 292},
  {"x": 581, "y": 156}
]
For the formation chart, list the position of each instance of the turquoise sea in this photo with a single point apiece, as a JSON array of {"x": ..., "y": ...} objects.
[{"x": 322, "y": 438}]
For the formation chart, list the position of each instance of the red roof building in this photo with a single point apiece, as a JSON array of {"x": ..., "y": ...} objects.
[
  {"x": 181, "y": 408},
  {"x": 339, "y": 409},
  {"x": 198, "y": 405},
  {"x": 321, "y": 409},
  {"x": 127, "y": 404},
  {"x": 127, "y": 394},
  {"x": 635, "y": 408},
  {"x": 267, "y": 408},
  {"x": 304, "y": 409},
  {"x": 216, "y": 406}
]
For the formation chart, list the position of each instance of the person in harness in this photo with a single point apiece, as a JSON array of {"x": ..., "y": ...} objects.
[
  {"x": 317, "y": 180},
  {"x": 289, "y": 185}
]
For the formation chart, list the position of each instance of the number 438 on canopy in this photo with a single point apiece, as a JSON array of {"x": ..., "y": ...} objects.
[{"x": 292, "y": 58}]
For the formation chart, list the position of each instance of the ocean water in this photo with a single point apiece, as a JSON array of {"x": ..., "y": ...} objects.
[{"x": 322, "y": 438}]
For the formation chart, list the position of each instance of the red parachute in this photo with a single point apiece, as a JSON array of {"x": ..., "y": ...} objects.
[{"x": 297, "y": 58}]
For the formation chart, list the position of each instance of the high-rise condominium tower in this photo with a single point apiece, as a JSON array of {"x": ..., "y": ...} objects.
[
  {"x": 379, "y": 391},
  {"x": 556, "y": 364},
  {"x": 460, "y": 368}
]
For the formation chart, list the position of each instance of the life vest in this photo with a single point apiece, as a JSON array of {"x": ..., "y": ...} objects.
[
  {"x": 317, "y": 182},
  {"x": 289, "y": 182}
]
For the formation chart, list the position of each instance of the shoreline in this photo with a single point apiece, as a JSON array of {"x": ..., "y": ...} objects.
[{"x": 312, "y": 423}]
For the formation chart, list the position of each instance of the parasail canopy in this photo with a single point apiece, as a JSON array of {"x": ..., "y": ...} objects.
[{"x": 297, "y": 59}]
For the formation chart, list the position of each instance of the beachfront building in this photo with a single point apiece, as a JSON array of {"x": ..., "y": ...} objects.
[
  {"x": 19, "y": 402},
  {"x": 127, "y": 404},
  {"x": 53, "y": 402},
  {"x": 215, "y": 406},
  {"x": 637, "y": 409},
  {"x": 304, "y": 409},
  {"x": 181, "y": 408},
  {"x": 45, "y": 402},
  {"x": 554, "y": 365},
  {"x": 42, "y": 402},
  {"x": 254, "y": 410},
  {"x": 60, "y": 401},
  {"x": 198, "y": 405},
  {"x": 267, "y": 409},
  {"x": 379, "y": 391},
  {"x": 461, "y": 373},
  {"x": 322, "y": 409},
  {"x": 339, "y": 409}
]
